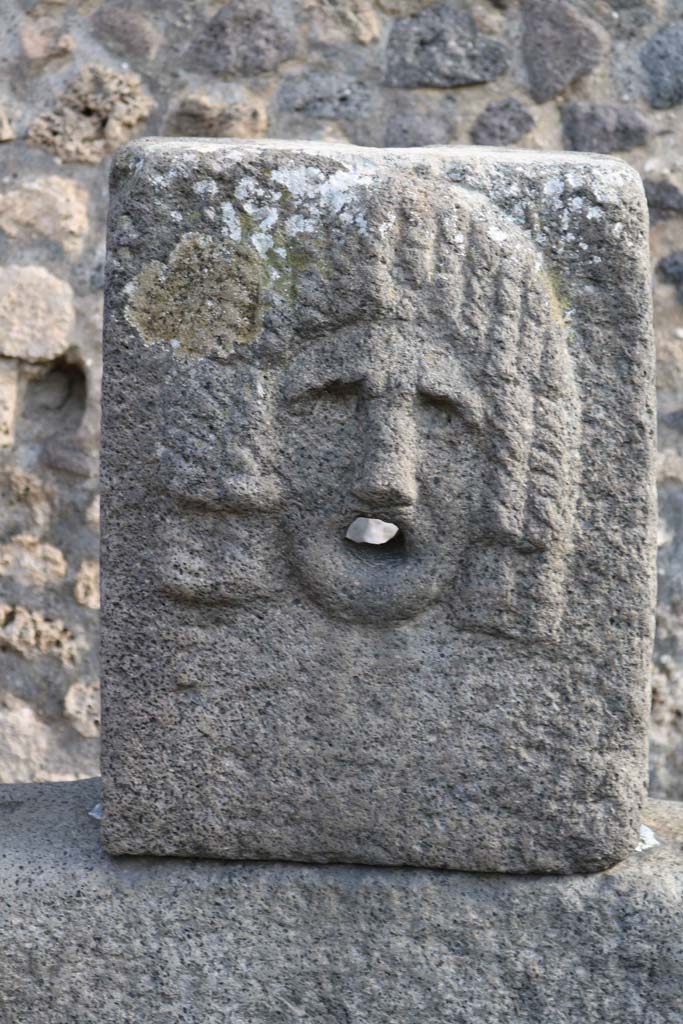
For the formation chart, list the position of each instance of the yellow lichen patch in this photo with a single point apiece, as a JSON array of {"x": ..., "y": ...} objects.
[{"x": 204, "y": 302}]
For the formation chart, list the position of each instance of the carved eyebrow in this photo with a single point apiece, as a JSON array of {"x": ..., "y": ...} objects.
[
  {"x": 323, "y": 378},
  {"x": 452, "y": 391}
]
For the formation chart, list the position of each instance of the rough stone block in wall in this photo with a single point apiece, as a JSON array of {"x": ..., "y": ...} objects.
[
  {"x": 378, "y": 505},
  {"x": 88, "y": 939}
]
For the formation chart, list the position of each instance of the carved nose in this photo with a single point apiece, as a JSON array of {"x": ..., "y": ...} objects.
[{"x": 388, "y": 471}]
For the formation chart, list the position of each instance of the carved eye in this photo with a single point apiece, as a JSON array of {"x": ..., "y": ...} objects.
[
  {"x": 332, "y": 398},
  {"x": 451, "y": 409},
  {"x": 447, "y": 410}
]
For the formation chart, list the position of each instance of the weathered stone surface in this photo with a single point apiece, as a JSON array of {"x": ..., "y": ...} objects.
[
  {"x": 31, "y": 562},
  {"x": 421, "y": 121},
  {"x": 442, "y": 46},
  {"x": 99, "y": 110},
  {"x": 301, "y": 335},
  {"x": 9, "y": 386},
  {"x": 43, "y": 40},
  {"x": 403, "y": 7},
  {"x": 626, "y": 5},
  {"x": 82, "y": 707},
  {"x": 46, "y": 634},
  {"x": 87, "y": 588},
  {"x": 331, "y": 22},
  {"x": 670, "y": 269},
  {"x": 47, "y": 333},
  {"x": 50, "y": 208},
  {"x": 91, "y": 940},
  {"x": 662, "y": 58},
  {"x": 664, "y": 199},
  {"x": 35, "y": 749},
  {"x": 319, "y": 93},
  {"x": 233, "y": 112},
  {"x": 245, "y": 37},
  {"x": 6, "y": 129},
  {"x": 30, "y": 633},
  {"x": 666, "y": 723},
  {"x": 559, "y": 45},
  {"x": 501, "y": 123},
  {"x": 603, "y": 127},
  {"x": 125, "y": 30}
]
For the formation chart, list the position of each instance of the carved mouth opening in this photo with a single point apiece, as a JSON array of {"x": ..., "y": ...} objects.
[{"x": 376, "y": 535}]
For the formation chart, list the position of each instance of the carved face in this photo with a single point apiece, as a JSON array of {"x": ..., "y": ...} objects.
[
  {"x": 417, "y": 375},
  {"x": 382, "y": 422}
]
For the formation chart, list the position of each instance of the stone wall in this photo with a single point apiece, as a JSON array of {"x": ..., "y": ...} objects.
[{"x": 80, "y": 78}]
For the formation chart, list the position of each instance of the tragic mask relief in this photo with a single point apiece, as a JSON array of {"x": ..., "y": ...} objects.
[{"x": 402, "y": 433}]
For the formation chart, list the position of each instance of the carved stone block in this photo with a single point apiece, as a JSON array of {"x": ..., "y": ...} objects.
[{"x": 378, "y": 527}]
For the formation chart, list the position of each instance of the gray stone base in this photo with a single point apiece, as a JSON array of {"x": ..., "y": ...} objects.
[{"x": 85, "y": 939}]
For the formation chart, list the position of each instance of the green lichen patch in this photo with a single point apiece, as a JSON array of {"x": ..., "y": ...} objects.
[{"x": 205, "y": 301}]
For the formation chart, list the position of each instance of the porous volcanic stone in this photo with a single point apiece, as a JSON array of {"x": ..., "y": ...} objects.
[
  {"x": 670, "y": 269},
  {"x": 46, "y": 334},
  {"x": 98, "y": 110},
  {"x": 603, "y": 127},
  {"x": 442, "y": 46},
  {"x": 502, "y": 123},
  {"x": 664, "y": 199},
  {"x": 455, "y": 341},
  {"x": 662, "y": 58},
  {"x": 419, "y": 120},
  {"x": 559, "y": 45},
  {"x": 320, "y": 93},
  {"x": 245, "y": 37},
  {"x": 91, "y": 940}
]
